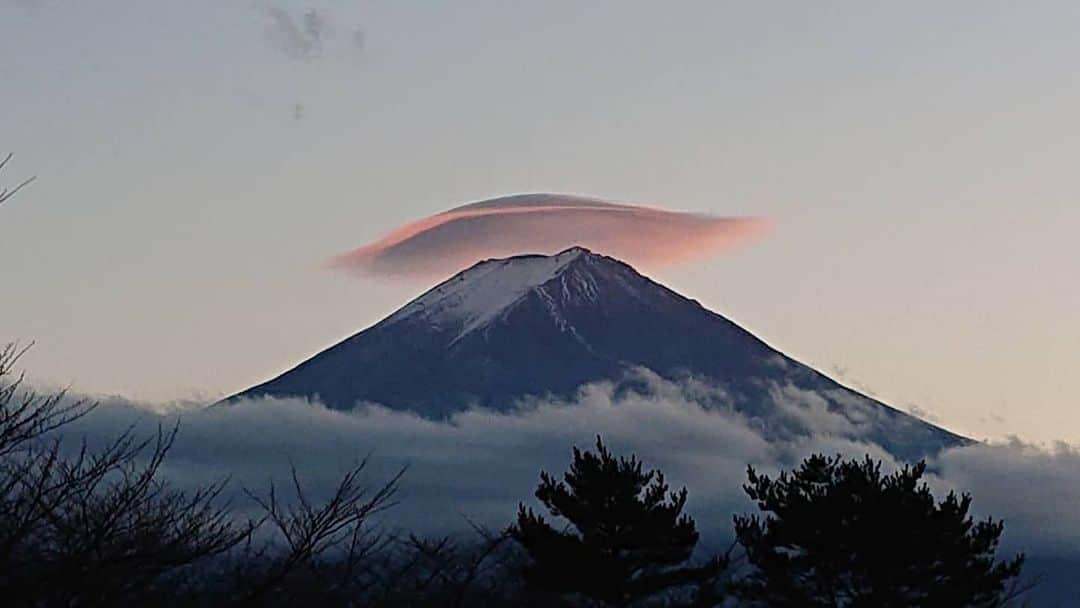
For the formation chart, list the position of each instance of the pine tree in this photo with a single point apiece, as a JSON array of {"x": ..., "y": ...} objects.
[
  {"x": 840, "y": 534},
  {"x": 629, "y": 538}
]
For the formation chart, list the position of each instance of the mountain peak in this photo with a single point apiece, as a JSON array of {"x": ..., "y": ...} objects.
[
  {"x": 544, "y": 325},
  {"x": 481, "y": 293}
]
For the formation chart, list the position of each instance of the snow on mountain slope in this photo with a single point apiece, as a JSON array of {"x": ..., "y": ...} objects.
[{"x": 475, "y": 296}]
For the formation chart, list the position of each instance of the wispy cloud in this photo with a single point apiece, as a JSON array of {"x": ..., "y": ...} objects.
[
  {"x": 305, "y": 34},
  {"x": 298, "y": 37}
]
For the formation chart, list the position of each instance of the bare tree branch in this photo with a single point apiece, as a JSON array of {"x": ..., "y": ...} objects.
[
  {"x": 6, "y": 193},
  {"x": 311, "y": 532},
  {"x": 25, "y": 415}
]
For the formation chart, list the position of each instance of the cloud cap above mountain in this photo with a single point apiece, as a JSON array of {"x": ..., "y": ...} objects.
[{"x": 644, "y": 236}]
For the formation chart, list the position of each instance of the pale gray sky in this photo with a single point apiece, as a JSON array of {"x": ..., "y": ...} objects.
[{"x": 199, "y": 160}]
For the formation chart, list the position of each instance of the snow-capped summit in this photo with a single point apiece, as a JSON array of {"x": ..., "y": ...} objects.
[
  {"x": 478, "y": 295},
  {"x": 536, "y": 325}
]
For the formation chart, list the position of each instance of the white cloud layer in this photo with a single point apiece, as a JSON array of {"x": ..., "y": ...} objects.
[{"x": 481, "y": 464}]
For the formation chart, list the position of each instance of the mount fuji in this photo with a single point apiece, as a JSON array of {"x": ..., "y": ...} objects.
[{"x": 534, "y": 325}]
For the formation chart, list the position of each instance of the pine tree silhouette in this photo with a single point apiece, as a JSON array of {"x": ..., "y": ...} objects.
[
  {"x": 839, "y": 533},
  {"x": 628, "y": 539}
]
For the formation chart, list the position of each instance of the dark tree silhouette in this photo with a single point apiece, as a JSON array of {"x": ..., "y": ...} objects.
[
  {"x": 449, "y": 572},
  {"x": 100, "y": 527},
  {"x": 630, "y": 539},
  {"x": 92, "y": 527},
  {"x": 840, "y": 533},
  {"x": 321, "y": 549}
]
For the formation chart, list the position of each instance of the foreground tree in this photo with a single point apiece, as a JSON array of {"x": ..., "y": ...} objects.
[
  {"x": 319, "y": 553},
  {"x": 839, "y": 533},
  {"x": 101, "y": 527},
  {"x": 92, "y": 527},
  {"x": 629, "y": 539}
]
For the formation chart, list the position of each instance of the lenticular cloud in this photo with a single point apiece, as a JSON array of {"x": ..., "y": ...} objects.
[{"x": 442, "y": 244}]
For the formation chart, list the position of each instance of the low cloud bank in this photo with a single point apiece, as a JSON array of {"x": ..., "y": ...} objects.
[
  {"x": 480, "y": 464},
  {"x": 442, "y": 244},
  {"x": 1036, "y": 490}
]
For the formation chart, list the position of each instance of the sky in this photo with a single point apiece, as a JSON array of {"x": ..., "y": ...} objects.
[{"x": 198, "y": 163}]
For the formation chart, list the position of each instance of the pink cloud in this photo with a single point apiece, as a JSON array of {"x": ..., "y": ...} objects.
[{"x": 443, "y": 244}]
